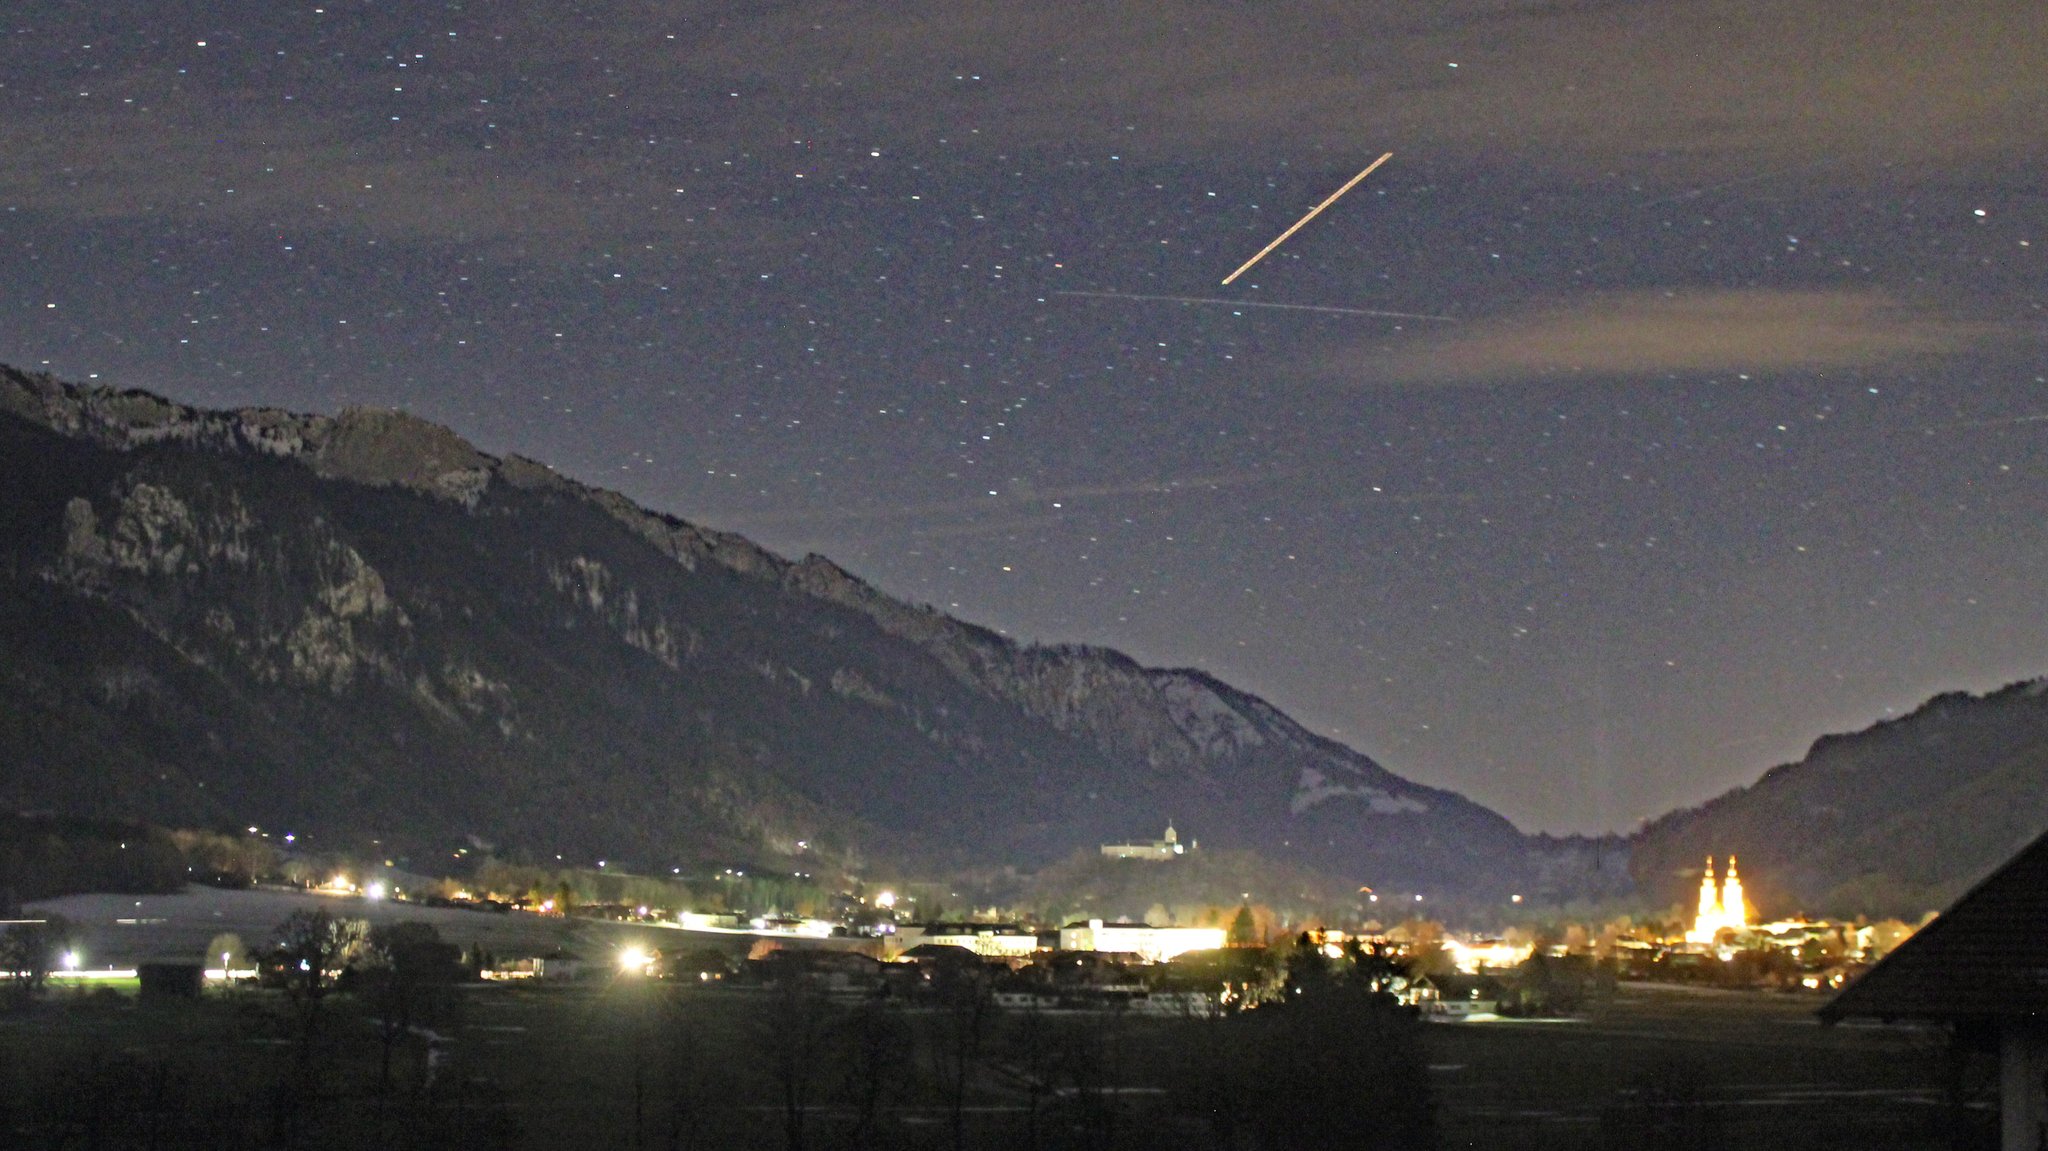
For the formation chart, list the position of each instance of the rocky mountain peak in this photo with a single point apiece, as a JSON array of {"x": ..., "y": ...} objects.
[
  {"x": 346, "y": 592},
  {"x": 378, "y": 446}
]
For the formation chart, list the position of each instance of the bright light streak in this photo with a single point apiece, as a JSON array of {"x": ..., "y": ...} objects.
[{"x": 1312, "y": 214}]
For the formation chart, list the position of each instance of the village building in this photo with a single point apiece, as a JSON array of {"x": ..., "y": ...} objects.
[
  {"x": 988, "y": 940},
  {"x": 1982, "y": 969},
  {"x": 1152, "y": 944}
]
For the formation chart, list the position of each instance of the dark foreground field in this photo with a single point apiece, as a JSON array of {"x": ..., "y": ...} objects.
[
  {"x": 1679, "y": 1068},
  {"x": 632, "y": 1063}
]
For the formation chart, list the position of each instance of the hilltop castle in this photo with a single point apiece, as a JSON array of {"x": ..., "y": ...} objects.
[{"x": 1165, "y": 847}]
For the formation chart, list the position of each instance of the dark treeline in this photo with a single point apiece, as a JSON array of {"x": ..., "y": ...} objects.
[{"x": 42, "y": 857}]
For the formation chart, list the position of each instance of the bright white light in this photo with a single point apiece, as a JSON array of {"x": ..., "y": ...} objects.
[
  {"x": 71, "y": 961},
  {"x": 886, "y": 900},
  {"x": 375, "y": 891},
  {"x": 634, "y": 960}
]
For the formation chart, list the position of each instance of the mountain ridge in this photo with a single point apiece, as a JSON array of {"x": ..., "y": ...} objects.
[
  {"x": 299, "y": 610},
  {"x": 1070, "y": 725},
  {"x": 1895, "y": 819}
]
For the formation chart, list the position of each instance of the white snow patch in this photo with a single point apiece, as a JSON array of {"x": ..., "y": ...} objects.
[
  {"x": 1315, "y": 787},
  {"x": 1205, "y": 718}
]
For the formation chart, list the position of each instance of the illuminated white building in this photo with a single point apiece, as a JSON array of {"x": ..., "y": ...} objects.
[
  {"x": 1721, "y": 905},
  {"x": 1165, "y": 847},
  {"x": 990, "y": 941},
  {"x": 1154, "y": 944},
  {"x": 1486, "y": 955}
]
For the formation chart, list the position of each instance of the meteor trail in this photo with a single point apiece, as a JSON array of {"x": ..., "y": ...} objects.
[
  {"x": 1312, "y": 212},
  {"x": 1217, "y": 300}
]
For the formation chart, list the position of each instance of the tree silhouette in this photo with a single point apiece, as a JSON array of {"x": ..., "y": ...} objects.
[
  {"x": 1244, "y": 927},
  {"x": 310, "y": 949},
  {"x": 28, "y": 951},
  {"x": 404, "y": 974}
]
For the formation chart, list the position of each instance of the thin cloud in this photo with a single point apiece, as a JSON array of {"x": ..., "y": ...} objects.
[
  {"x": 1654, "y": 334},
  {"x": 1705, "y": 92},
  {"x": 1692, "y": 96}
]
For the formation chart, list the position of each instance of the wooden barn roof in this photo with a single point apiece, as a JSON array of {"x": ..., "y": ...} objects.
[{"x": 1984, "y": 958}]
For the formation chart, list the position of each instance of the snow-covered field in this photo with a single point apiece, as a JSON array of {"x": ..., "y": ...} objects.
[{"x": 123, "y": 930}]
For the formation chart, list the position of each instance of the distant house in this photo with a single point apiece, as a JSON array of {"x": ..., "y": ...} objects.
[
  {"x": 557, "y": 965},
  {"x": 1453, "y": 996},
  {"x": 831, "y": 970},
  {"x": 941, "y": 955},
  {"x": 1982, "y": 968},
  {"x": 1025, "y": 1000},
  {"x": 170, "y": 979},
  {"x": 1167, "y": 846}
]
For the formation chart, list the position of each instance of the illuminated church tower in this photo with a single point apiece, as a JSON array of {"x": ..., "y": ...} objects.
[
  {"x": 1721, "y": 905},
  {"x": 1734, "y": 908}
]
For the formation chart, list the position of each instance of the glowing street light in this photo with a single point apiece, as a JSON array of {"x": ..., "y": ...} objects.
[
  {"x": 70, "y": 960},
  {"x": 634, "y": 960}
]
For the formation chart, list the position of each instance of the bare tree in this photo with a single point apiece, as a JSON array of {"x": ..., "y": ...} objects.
[
  {"x": 877, "y": 1045},
  {"x": 311, "y": 947},
  {"x": 404, "y": 975},
  {"x": 27, "y": 953},
  {"x": 794, "y": 1033},
  {"x": 965, "y": 1008}
]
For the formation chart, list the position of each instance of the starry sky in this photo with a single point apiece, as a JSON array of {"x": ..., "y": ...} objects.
[{"x": 1677, "y": 393}]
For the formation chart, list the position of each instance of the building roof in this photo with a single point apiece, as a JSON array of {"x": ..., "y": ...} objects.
[
  {"x": 941, "y": 953},
  {"x": 1986, "y": 957}
]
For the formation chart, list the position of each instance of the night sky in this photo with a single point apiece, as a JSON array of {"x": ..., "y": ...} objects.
[{"x": 1712, "y": 415}]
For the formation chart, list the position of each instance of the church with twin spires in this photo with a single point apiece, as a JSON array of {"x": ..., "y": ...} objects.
[{"x": 1721, "y": 905}]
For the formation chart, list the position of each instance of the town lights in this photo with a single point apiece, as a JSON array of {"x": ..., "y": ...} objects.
[{"x": 886, "y": 900}]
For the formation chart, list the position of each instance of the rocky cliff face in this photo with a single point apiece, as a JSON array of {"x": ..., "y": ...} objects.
[{"x": 362, "y": 623}]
